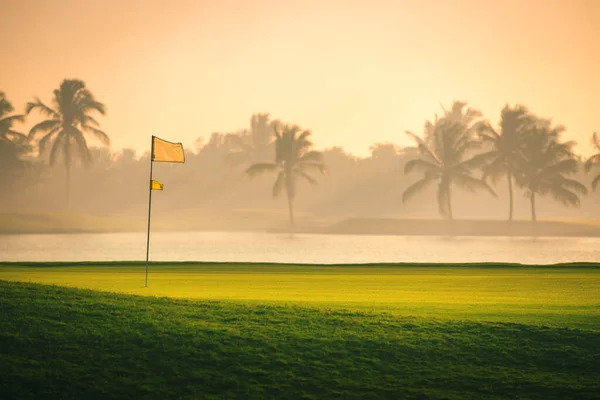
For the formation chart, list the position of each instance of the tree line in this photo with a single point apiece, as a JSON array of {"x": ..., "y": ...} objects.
[{"x": 457, "y": 150}]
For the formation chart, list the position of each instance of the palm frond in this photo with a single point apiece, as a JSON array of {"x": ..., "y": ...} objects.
[
  {"x": 303, "y": 137},
  {"x": 92, "y": 105},
  {"x": 595, "y": 182},
  {"x": 307, "y": 165},
  {"x": 100, "y": 135},
  {"x": 87, "y": 120},
  {"x": 470, "y": 183},
  {"x": 5, "y": 105},
  {"x": 572, "y": 185},
  {"x": 421, "y": 165},
  {"x": 8, "y": 121},
  {"x": 311, "y": 156},
  {"x": 568, "y": 166},
  {"x": 564, "y": 196},
  {"x": 82, "y": 147},
  {"x": 479, "y": 160},
  {"x": 12, "y": 135},
  {"x": 415, "y": 188},
  {"x": 494, "y": 170},
  {"x": 303, "y": 174},
  {"x": 260, "y": 168},
  {"x": 58, "y": 146},
  {"x": 301, "y": 144},
  {"x": 464, "y": 145},
  {"x": 423, "y": 148},
  {"x": 43, "y": 126},
  {"x": 43, "y": 144},
  {"x": 486, "y": 132},
  {"x": 42, "y": 108},
  {"x": 590, "y": 162}
]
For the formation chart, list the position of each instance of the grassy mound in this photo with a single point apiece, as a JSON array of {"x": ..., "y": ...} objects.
[{"x": 64, "y": 343}]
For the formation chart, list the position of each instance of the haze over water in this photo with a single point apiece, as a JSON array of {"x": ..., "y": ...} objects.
[{"x": 320, "y": 249}]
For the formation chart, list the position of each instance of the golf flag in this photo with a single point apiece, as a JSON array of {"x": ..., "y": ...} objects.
[
  {"x": 156, "y": 185},
  {"x": 163, "y": 151}
]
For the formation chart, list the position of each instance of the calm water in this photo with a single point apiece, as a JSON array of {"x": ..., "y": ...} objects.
[{"x": 248, "y": 246}]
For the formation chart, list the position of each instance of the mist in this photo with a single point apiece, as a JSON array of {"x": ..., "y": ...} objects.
[
  {"x": 357, "y": 76},
  {"x": 212, "y": 191}
]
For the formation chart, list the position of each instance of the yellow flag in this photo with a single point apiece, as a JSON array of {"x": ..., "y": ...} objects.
[
  {"x": 156, "y": 185},
  {"x": 163, "y": 151}
]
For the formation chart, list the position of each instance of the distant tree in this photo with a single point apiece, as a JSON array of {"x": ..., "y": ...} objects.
[
  {"x": 544, "y": 165},
  {"x": 504, "y": 147},
  {"x": 69, "y": 119},
  {"x": 12, "y": 143},
  {"x": 251, "y": 146},
  {"x": 594, "y": 160},
  {"x": 384, "y": 151},
  {"x": 444, "y": 157},
  {"x": 293, "y": 160},
  {"x": 6, "y": 121}
]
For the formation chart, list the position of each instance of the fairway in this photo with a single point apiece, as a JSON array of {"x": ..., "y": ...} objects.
[
  {"x": 63, "y": 343},
  {"x": 565, "y": 296}
]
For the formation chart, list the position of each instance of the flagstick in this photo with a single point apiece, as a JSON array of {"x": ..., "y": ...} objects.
[{"x": 149, "y": 210}]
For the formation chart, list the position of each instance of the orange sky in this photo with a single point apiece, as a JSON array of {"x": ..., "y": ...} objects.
[{"x": 354, "y": 72}]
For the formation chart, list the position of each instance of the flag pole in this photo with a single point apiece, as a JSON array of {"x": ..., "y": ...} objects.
[{"x": 149, "y": 209}]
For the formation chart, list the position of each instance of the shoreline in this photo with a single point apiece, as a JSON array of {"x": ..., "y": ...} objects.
[{"x": 350, "y": 226}]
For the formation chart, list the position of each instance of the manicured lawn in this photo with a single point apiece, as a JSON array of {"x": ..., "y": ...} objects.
[
  {"x": 556, "y": 296},
  {"x": 291, "y": 332}
]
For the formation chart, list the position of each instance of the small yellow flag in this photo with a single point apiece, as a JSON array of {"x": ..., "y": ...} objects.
[
  {"x": 156, "y": 185},
  {"x": 163, "y": 151}
]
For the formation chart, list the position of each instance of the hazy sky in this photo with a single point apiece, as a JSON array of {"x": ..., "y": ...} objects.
[{"x": 354, "y": 72}]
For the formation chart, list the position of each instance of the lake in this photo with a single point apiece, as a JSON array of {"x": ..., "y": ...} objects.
[{"x": 301, "y": 248}]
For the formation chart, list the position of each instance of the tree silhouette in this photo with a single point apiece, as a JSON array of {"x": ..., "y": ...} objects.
[
  {"x": 594, "y": 160},
  {"x": 12, "y": 143},
  {"x": 543, "y": 164},
  {"x": 504, "y": 146},
  {"x": 251, "y": 146},
  {"x": 69, "y": 119},
  {"x": 444, "y": 152},
  {"x": 293, "y": 160},
  {"x": 6, "y": 121}
]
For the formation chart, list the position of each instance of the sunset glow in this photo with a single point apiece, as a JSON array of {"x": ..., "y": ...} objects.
[{"x": 354, "y": 72}]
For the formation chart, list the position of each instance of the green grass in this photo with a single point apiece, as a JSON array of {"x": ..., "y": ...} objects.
[
  {"x": 567, "y": 296},
  {"x": 297, "y": 331}
]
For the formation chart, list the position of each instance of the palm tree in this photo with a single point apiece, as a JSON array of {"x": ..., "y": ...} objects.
[
  {"x": 594, "y": 160},
  {"x": 6, "y": 121},
  {"x": 504, "y": 147},
  {"x": 444, "y": 158},
  {"x": 543, "y": 164},
  {"x": 12, "y": 143},
  {"x": 293, "y": 160},
  {"x": 68, "y": 119},
  {"x": 251, "y": 146}
]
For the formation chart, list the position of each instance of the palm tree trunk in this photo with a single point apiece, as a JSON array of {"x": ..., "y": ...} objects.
[
  {"x": 449, "y": 205},
  {"x": 290, "y": 197},
  {"x": 291, "y": 211},
  {"x": 510, "y": 196},
  {"x": 67, "y": 168},
  {"x": 532, "y": 199}
]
